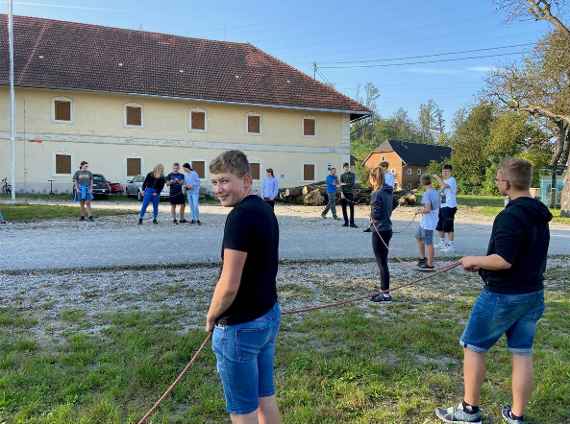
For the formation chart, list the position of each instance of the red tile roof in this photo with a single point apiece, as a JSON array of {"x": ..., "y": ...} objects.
[{"x": 74, "y": 56}]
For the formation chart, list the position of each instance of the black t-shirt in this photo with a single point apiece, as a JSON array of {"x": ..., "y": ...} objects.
[
  {"x": 252, "y": 227},
  {"x": 348, "y": 179},
  {"x": 175, "y": 187},
  {"x": 520, "y": 236}
]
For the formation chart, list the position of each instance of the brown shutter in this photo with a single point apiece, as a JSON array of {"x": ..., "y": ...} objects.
[
  {"x": 62, "y": 110},
  {"x": 255, "y": 170},
  {"x": 253, "y": 124},
  {"x": 134, "y": 116},
  {"x": 309, "y": 126},
  {"x": 198, "y": 120},
  {"x": 200, "y": 167},
  {"x": 133, "y": 167},
  {"x": 62, "y": 164},
  {"x": 309, "y": 172}
]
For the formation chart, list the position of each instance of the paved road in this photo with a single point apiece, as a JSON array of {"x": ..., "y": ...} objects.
[{"x": 118, "y": 241}]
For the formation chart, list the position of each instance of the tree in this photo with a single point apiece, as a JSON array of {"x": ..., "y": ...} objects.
[{"x": 430, "y": 121}]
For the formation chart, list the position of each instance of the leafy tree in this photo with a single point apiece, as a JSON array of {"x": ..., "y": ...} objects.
[{"x": 430, "y": 121}]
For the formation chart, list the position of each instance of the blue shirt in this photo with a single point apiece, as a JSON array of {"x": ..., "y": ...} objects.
[
  {"x": 429, "y": 220},
  {"x": 193, "y": 179},
  {"x": 270, "y": 188},
  {"x": 331, "y": 183}
]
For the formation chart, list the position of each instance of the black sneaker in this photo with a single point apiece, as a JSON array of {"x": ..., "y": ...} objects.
[
  {"x": 457, "y": 415},
  {"x": 183, "y": 221},
  {"x": 91, "y": 219},
  {"x": 198, "y": 222},
  {"x": 426, "y": 267},
  {"x": 381, "y": 297},
  {"x": 323, "y": 216},
  {"x": 175, "y": 221},
  {"x": 82, "y": 218},
  {"x": 345, "y": 224},
  {"x": 353, "y": 225},
  {"x": 421, "y": 261},
  {"x": 367, "y": 230},
  {"x": 154, "y": 221},
  {"x": 336, "y": 218},
  {"x": 140, "y": 221},
  {"x": 508, "y": 417}
]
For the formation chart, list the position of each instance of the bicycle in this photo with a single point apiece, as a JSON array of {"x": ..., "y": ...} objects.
[{"x": 6, "y": 188}]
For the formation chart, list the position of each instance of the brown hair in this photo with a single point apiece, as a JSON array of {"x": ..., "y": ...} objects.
[
  {"x": 158, "y": 171},
  {"x": 518, "y": 172},
  {"x": 377, "y": 175},
  {"x": 425, "y": 179},
  {"x": 232, "y": 161}
]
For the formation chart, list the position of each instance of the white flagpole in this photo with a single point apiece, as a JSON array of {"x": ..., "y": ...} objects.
[{"x": 12, "y": 96}]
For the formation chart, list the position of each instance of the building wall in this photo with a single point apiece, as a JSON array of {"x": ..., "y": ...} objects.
[
  {"x": 97, "y": 134},
  {"x": 412, "y": 181},
  {"x": 394, "y": 161}
]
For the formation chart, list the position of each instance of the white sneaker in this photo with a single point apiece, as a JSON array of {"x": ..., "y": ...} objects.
[
  {"x": 441, "y": 244},
  {"x": 450, "y": 247}
]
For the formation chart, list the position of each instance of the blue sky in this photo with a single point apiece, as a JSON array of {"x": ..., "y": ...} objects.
[{"x": 329, "y": 31}]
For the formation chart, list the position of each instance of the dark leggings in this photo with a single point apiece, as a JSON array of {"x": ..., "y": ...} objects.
[{"x": 381, "y": 254}]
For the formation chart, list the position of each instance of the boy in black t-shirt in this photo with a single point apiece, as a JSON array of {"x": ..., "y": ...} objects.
[
  {"x": 244, "y": 314},
  {"x": 512, "y": 301},
  {"x": 175, "y": 181}
]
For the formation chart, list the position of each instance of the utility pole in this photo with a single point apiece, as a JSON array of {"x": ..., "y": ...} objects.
[
  {"x": 314, "y": 70},
  {"x": 12, "y": 95}
]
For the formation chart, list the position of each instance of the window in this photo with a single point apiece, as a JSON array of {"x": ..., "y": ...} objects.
[
  {"x": 198, "y": 120},
  {"x": 62, "y": 164},
  {"x": 309, "y": 172},
  {"x": 200, "y": 167},
  {"x": 393, "y": 171},
  {"x": 419, "y": 171},
  {"x": 134, "y": 167},
  {"x": 254, "y": 124},
  {"x": 409, "y": 171},
  {"x": 62, "y": 110},
  {"x": 133, "y": 116},
  {"x": 255, "y": 170},
  {"x": 309, "y": 126}
]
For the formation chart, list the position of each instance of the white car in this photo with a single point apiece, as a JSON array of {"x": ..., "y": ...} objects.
[{"x": 134, "y": 188}]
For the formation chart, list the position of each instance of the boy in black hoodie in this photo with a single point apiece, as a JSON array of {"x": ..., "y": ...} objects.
[{"x": 512, "y": 301}]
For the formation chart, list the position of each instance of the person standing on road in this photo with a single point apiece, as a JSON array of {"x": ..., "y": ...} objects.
[
  {"x": 512, "y": 301},
  {"x": 244, "y": 312},
  {"x": 381, "y": 201},
  {"x": 192, "y": 185},
  {"x": 424, "y": 235},
  {"x": 445, "y": 225},
  {"x": 2, "y": 220},
  {"x": 175, "y": 181},
  {"x": 347, "y": 182},
  {"x": 389, "y": 177},
  {"x": 152, "y": 187},
  {"x": 83, "y": 188},
  {"x": 332, "y": 184},
  {"x": 270, "y": 188}
]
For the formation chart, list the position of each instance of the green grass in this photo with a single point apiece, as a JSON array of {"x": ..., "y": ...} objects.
[
  {"x": 26, "y": 213},
  {"x": 383, "y": 364}
]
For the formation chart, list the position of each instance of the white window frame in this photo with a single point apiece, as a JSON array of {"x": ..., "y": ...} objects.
[
  {"x": 419, "y": 172},
  {"x": 205, "y": 112},
  {"x": 71, "y": 110},
  {"x": 125, "y": 162},
  {"x": 54, "y": 161},
  {"x": 206, "y": 165},
  {"x": 314, "y": 173},
  {"x": 125, "y": 115},
  {"x": 247, "y": 123},
  {"x": 303, "y": 126},
  {"x": 409, "y": 172}
]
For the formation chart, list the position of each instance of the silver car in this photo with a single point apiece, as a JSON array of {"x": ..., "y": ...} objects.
[{"x": 134, "y": 188}]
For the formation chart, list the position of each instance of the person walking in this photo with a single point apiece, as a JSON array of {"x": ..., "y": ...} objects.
[
  {"x": 347, "y": 181},
  {"x": 244, "y": 313},
  {"x": 175, "y": 182},
  {"x": 332, "y": 184},
  {"x": 192, "y": 185},
  {"x": 381, "y": 201},
  {"x": 83, "y": 188},
  {"x": 270, "y": 188},
  {"x": 424, "y": 234},
  {"x": 152, "y": 187},
  {"x": 512, "y": 301},
  {"x": 445, "y": 225}
]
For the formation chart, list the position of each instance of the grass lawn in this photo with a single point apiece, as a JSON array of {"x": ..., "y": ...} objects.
[
  {"x": 24, "y": 213},
  {"x": 106, "y": 355}
]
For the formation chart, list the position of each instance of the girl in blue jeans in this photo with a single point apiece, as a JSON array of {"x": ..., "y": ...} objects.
[{"x": 152, "y": 186}]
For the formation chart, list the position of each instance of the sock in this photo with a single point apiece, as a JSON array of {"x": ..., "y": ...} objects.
[
  {"x": 470, "y": 409},
  {"x": 515, "y": 417}
]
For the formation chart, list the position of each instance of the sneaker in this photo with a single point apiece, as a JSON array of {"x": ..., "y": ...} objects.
[
  {"x": 425, "y": 267},
  {"x": 140, "y": 221},
  {"x": 457, "y": 415},
  {"x": 345, "y": 224},
  {"x": 91, "y": 219},
  {"x": 381, "y": 297},
  {"x": 192, "y": 222},
  {"x": 175, "y": 221},
  {"x": 82, "y": 218},
  {"x": 198, "y": 222},
  {"x": 507, "y": 415},
  {"x": 422, "y": 261},
  {"x": 323, "y": 216},
  {"x": 440, "y": 244},
  {"x": 367, "y": 230},
  {"x": 336, "y": 218},
  {"x": 450, "y": 247},
  {"x": 353, "y": 225},
  {"x": 155, "y": 221},
  {"x": 183, "y": 221}
]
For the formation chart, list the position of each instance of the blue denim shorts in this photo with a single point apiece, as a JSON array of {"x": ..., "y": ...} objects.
[
  {"x": 245, "y": 356},
  {"x": 495, "y": 314},
  {"x": 425, "y": 235}
]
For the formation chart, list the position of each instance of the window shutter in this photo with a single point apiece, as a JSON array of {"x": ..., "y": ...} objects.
[
  {"x": 255, "y": 170},
  {"x": 253, "y": 124},
  {"x": 198, "y": 120},
  {"x": 309, "y": 126},
  {"x": 134, "y": 116},
  {"x": 133, "y": 167},
  {"x": 200, "y": 167},
  {"x": 309, "y": 172},
  {"x": 62, "y": 110},
  {"x": 62, "y": 164}
]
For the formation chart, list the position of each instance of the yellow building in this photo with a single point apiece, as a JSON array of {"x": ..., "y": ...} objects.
[{"x": 126, "y": 100}]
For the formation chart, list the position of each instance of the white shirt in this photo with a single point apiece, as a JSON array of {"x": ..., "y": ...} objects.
[
  {"x": 429, "y": 220},
  {"x": 389, "y": 179},
  {"x": 449, "y": 194}
]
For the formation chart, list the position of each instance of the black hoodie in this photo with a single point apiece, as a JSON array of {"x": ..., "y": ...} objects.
[{"x": 521, "y": 237}]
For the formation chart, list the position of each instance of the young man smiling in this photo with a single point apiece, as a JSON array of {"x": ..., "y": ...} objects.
[
  {"x": 512, "y": 301},
  {"x": 244, "y": 314}
]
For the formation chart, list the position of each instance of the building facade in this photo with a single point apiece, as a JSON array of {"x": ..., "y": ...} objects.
[{"x": 126, "y": 113}]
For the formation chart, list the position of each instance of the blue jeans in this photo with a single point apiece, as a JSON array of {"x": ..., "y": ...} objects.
[
  {"x": 245, "y": 356},
  {"x": 425, "y": 235},
  {"x": 193, "y": 199},
  {"x": 495, "y": 314},
  {"x": 150, "y": 195}
]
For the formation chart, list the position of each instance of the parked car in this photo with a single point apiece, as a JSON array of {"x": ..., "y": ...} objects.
[
  {"x": 134, "y": 188},
  {"x": 101, "y": 186},
  {"x": 116, "y": 188}
]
